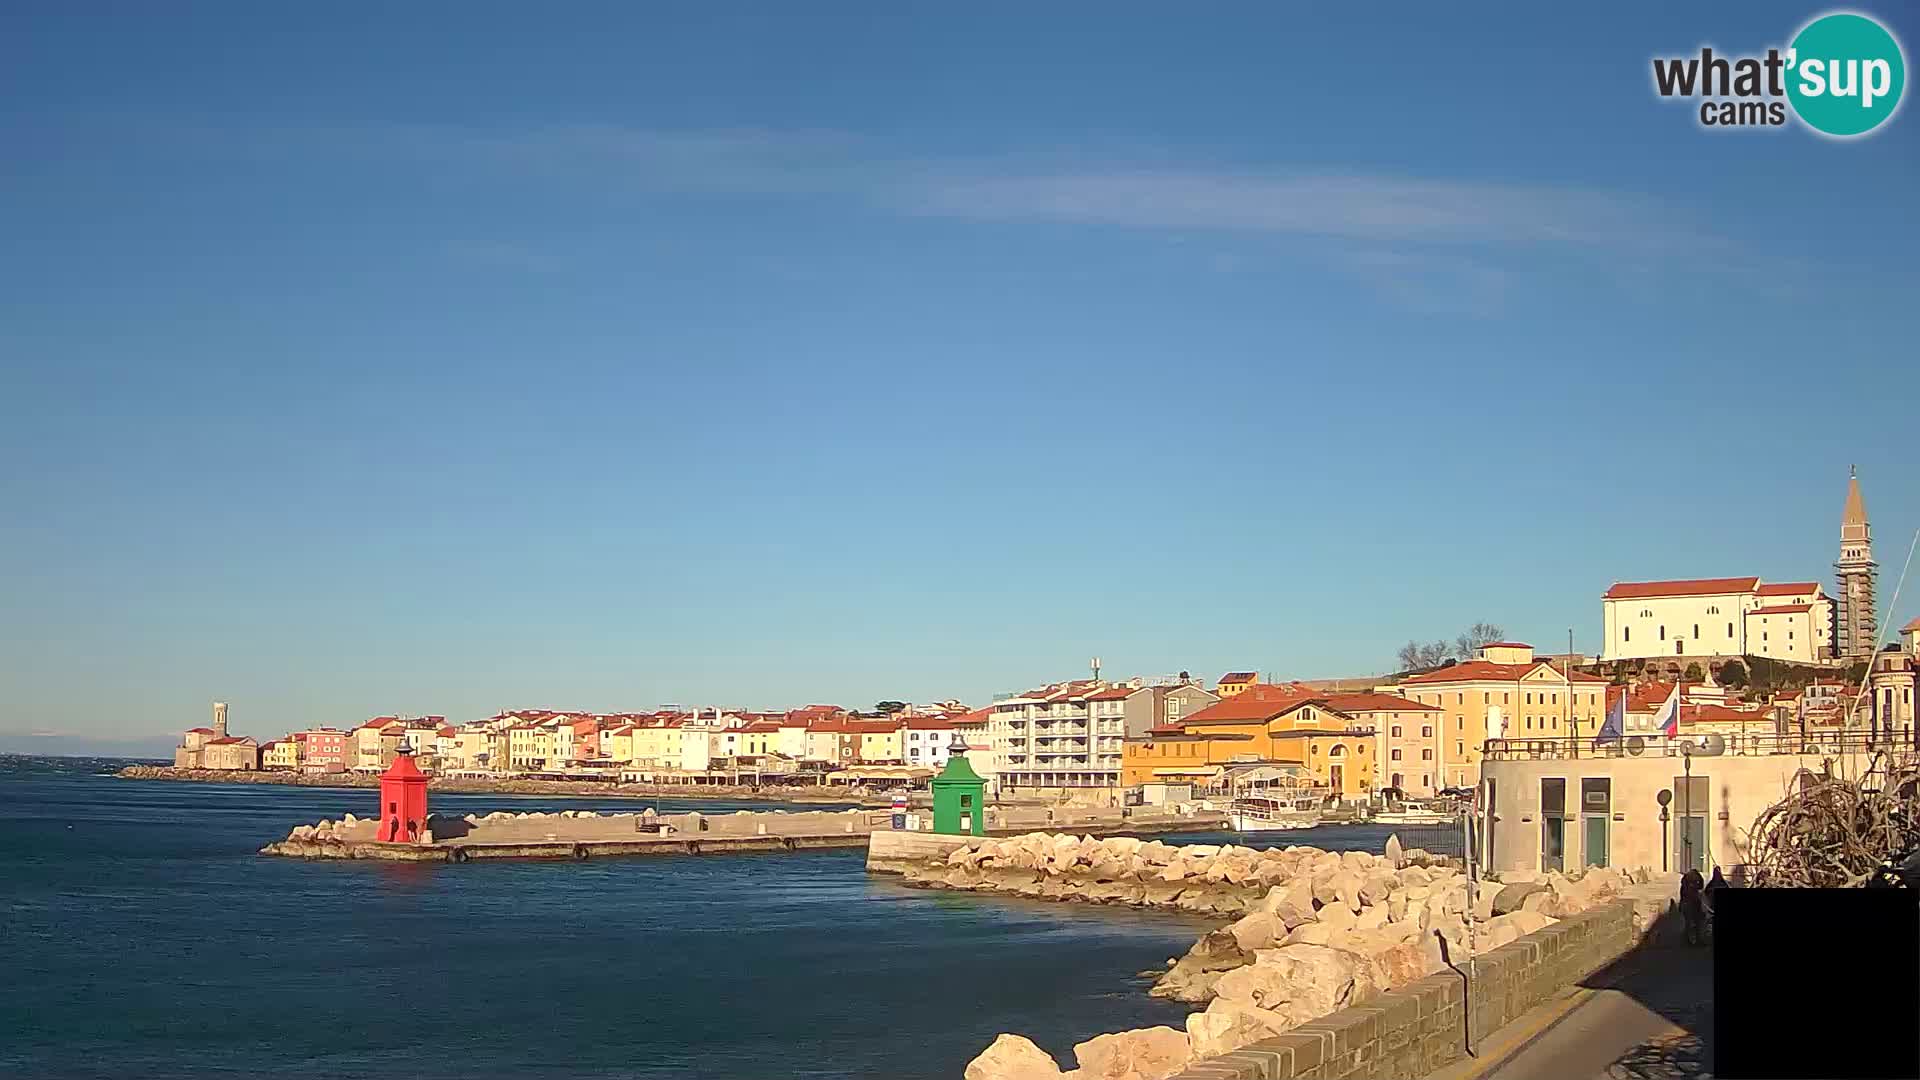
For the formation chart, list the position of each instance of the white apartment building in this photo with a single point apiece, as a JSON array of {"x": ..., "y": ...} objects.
[
  {"x": 1712, "y": 617},
  {"x": 1067, "y": 735}
]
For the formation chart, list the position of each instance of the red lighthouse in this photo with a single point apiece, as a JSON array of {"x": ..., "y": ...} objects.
[{"x": 403, "y": 800}]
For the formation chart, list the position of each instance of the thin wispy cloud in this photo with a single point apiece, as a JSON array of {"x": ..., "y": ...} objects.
[
  {"x": 1431, "y": 243},
  {"x": 1313, "y": 202}
]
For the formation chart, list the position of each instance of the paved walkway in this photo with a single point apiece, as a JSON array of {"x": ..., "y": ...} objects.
[{"x": 1651, "y": 1021}]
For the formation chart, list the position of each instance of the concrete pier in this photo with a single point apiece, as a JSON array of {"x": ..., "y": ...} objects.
[{"x": 588, "y": 835}]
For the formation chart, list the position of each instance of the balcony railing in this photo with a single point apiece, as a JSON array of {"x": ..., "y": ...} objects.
[{"x": 1832, "y": 742}]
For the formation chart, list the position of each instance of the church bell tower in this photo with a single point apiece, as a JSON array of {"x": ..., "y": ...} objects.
[{"x": 1854, "y": 628}]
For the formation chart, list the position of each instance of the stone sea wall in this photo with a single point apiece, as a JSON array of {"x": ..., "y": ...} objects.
[
  {"x": 1315, "y": 932},
  {"x": 582, "y": 834}
]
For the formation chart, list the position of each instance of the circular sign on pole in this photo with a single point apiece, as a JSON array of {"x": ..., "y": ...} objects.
[{"x": 1664, "y": 797}]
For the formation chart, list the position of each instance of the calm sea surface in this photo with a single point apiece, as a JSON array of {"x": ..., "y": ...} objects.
[{"x": 140, "y": 935}]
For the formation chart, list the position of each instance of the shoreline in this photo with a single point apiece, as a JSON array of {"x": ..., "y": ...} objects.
[{"x": 562, "y": 788}]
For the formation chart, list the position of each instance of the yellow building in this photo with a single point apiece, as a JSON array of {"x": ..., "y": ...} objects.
[
  {"x": 658, "y": 743},
  {"x": 281, "y": 754},
  {"x": 529, "y": 747},
  {"x": 1235, "y": 683},
  {"x": 880, "y": 741},
  {"x": 1505, "y": 693},
  {"x": 1267, "y": 727},
  {"x": 616, "y": 744}
]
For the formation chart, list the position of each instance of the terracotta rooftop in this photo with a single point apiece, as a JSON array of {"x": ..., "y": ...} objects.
[
  {"x": 1788, "y": 588},
  {"x": 1782, "y": 609},
  {"x": 1239, "y": 676},
  {"x": 1488, "y": 671},
  {"x": 1375, "y": 702},
  {"x": 1642, "y": 590},
  {"x": 1248, "y": 708}
]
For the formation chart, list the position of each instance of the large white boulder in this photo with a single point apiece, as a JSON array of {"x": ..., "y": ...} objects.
[
  {"x": 1227, "y": 1026},
  {"x": 1153, "y": 1053},
  {"x": 1012, "y": 1057}
]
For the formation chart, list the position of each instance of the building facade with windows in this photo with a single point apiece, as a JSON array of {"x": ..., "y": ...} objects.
[{"x": 1504, "y": 692}]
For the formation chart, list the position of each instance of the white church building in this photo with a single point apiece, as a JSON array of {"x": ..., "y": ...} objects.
[{"x": 1714, "y": 617}]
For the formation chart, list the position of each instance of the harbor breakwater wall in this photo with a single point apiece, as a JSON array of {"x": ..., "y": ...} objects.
[{"x": 587, "y": 834}]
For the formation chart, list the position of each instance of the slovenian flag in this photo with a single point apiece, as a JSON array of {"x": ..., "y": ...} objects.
[
  {"x": 1668, "y": 718},
  {"x": 1616, "y": 722}
]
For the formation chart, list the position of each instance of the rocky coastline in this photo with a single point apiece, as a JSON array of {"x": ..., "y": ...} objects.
[
  {"x": 501, "y": 787},
  {"x": 1313, "y": 932}
]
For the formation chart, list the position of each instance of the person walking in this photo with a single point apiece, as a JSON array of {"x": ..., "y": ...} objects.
[{"x": 1692, "y": 903}]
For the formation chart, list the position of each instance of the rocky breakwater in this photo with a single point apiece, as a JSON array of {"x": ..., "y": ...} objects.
[
  {"x": 1335, "y": 930},
  {"x": 1202, "y": 879}
]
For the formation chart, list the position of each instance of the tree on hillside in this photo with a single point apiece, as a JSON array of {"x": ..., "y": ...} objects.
[
  {"x": 1478, "y": 636},
  {"x": 1693, "y": 673},
  {"x": 1733, "y": 675},
  {"x": 888, "y": 708}
]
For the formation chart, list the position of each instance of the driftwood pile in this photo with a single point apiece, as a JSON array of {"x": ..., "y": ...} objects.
[{"x": 1835, "y": 832}]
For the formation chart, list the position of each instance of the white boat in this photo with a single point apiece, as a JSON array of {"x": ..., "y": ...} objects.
[
  {"x": 1258, "y": 814},
  {"x": 1414, "y": 816}
]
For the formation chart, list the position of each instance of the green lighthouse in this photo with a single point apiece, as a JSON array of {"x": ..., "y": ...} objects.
[{"x": 959, "y": 795}]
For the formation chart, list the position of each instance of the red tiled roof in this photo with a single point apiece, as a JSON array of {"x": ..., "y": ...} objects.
[
  {"x": 1507, "y": 645},
  {"x": 230, "y": 740},
  {"x": 871, "y": 727},
  {"x": 1373, "y": 702},
  {"x": 1114, "y": 693},
  {"x": 1248, "y": 707},
  {"x": 1641, "y": 590},
  {"x": 1488, "y": 671},
  {"x": 199, "y": 731},
  {"x": 931, "y": 723},
  {"x": 1788, "y": 588},
  {"x": 1914, "y": 625},
  {"x": 762, "y": 726},
  {"x": 1239, "y": 676},
  {"x": 1782, "y": 609},
  {"x": 974, "y": 718}
]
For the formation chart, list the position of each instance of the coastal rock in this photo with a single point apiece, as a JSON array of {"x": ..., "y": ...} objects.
[
  {"x": 1377, "y": 886},
  {"x": 1537, "y": 902},
  {"x": 1359, "y": 862},
  {"x": 1510, "y": 898},
  {"x": 1256, "y": 931},
  {"x": 1407, "y": 962},
  {"x": 1312, "y": 933},
  {"x": 1346, "y": 889},
  {"x": 1012, "y": 1057},
  {"x": 1337, "y": 917},
  {"x": 1153, "y": 1053},
  {"x": 1228, "y": 1026},
  {"x": 1372, "y": 918},
  {"x": 1191, "y": 978},
  {"x": 1299, "y": 983}
]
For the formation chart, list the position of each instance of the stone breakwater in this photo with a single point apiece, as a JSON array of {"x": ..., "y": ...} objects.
[
  {"x": 1315, "y": 932},
  {"x": 581, "y": 834},
  {"x": 500, "y": 787},
  {"x": 1200, "y": 879}
]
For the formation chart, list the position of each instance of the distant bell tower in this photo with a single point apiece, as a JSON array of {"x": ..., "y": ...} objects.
[
  {"x": 1854, "y": 629},
  {"x": 219, "y": 719}
]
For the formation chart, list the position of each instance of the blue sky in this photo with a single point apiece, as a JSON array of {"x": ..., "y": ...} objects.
[{"x": 452, "y": 357}]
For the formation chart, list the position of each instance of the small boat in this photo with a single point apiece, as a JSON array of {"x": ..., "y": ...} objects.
[
  {"x": 1263, "y": 814},
  {"x": 1415, "y": 816}
]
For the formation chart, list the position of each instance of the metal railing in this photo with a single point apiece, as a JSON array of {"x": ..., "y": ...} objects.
[{"x": 1815, "y": 743}]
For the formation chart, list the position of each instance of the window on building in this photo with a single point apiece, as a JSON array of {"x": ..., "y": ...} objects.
[
  {"x": 1396, "y": 731},
  {"x": 1696, "y": 630},
  {"x": 1460, "y": 747},
  {"x": 1626, "y": 633},
  {"x": 1459, "y": 699},
  {"x": 1426, "y": 779},
  {"x": 1426, "y": 731},
  {"x": 1460, "y": 723},
  {"x": 1529, "y": 699},
  {"x": 1426, "y": 755},
  {"x": 1729, "y": 631},
  {"x": 1529, "y": 723},
  {"x": 1663, "y": 633},
  {"x": 1395, "y": 755}
]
